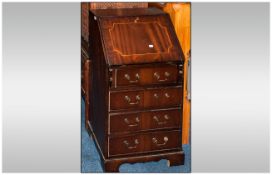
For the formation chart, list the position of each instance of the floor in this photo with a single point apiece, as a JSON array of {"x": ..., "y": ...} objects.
[{"x": 90, "y": 160}]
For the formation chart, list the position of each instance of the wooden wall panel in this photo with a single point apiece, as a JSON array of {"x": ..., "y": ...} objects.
[{"x": 180, "y": 14}]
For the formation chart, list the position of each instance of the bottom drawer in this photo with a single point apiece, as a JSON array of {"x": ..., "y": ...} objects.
[{"x": 147, "y": 142}]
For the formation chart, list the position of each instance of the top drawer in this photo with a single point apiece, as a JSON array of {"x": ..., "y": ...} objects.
[{"x": 144, "y": 76}]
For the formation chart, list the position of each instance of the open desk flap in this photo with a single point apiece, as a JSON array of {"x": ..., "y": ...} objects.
[{"x": 139, "y": 39}]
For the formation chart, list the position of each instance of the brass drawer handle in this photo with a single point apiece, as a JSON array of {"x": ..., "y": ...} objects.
[
  {"x": 166, "y": 117},
  {"x": 137, "y": 78},
  {"x": 167, "y": 95},
  {"x": 136, "y": 142},
  {"x": 138, "y": 98},
  {"x": 137, "y": 121},
  {"x": 166, "y": 75},
  {"x": 155, "y": 141},
  {"x": 156, "y": 95}
]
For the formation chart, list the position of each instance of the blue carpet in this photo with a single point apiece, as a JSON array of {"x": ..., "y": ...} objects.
[{"x": 90, "y": 160}]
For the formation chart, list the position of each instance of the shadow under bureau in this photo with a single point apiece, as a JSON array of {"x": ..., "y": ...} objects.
[{"x": 135, "y": 101}]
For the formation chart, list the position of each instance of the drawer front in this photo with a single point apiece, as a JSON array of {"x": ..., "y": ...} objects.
[
  {"x": 132, "y": 76},
  {"x": 125, "y": 145},
  {"x": 161, "y": 119},
  {"x": 142, "y": 143},
  {"x": 153, "y": 98},
  {"x": 145, "y": 121},
  {"x": 163, "y": 97},
  {"x": 127, "y": 100},
  {"x": 125, "y": 122}
]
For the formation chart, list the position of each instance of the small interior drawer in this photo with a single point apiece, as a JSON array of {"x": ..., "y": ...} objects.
[{"x": 146, "y": 142}]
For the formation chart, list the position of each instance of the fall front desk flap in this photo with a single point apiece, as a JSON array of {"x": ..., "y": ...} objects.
[{"x": 133, "y": 36}]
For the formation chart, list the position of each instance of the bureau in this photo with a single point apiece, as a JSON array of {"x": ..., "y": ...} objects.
[{"x": 136, "y": 79}]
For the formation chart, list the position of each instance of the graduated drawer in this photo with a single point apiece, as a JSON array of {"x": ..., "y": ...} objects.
[
  {"x": 139, "y": 121},
  {"x": 143, "y": 143},
  {"x": 141, "y": 76},
  {"x": 150, "y": 98}
]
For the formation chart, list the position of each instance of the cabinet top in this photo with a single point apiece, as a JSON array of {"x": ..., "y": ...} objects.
[
  {"x": 127, "y": 12},
  {"x": 135, "y": 36}
]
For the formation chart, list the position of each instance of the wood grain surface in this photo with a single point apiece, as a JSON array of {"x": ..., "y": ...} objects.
[
  {"x": 116, "y": 5},
  {"x": 123, "y": 123},
  {"x": 180, "y": 14},
  {"x": 139, "y": 47},
  {"x": 135, "y": 39}
]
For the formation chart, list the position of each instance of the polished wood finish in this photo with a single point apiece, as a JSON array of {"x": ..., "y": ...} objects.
[
  {"x": 99, "y": 94},
  {"x": 117, "y": 5},
  {"x": 112, "y": 165},
  {"x": 146, "y": 99},
  {"x": 86, "y": 85},
  {"x": 180, "y": 14},
  {"x": 154, "y": 42},
  {"x": 116, "y": 13},
  {"x": 86, "y": 6},
  {"x": 145, "y": 121},
  {"x": 85, "y": 21},
  {"x": 136, "y": 97},
  {"x": 143, "y": 76},
  {"x": 142, "y": 143}
]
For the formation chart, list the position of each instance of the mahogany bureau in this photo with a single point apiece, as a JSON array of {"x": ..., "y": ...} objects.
[{"x": 136, "y": 87}]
